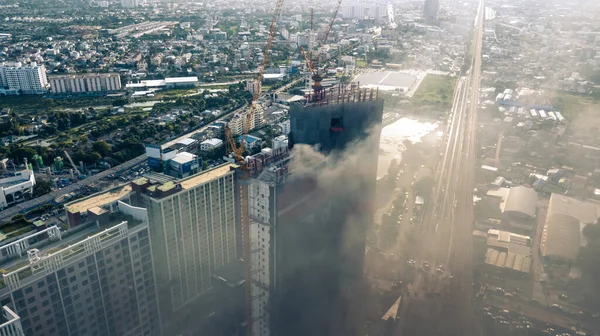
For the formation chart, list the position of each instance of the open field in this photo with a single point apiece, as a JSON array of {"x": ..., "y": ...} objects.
[
  {"x": 361, "y": 63},
  {"x": 435, "y": 90}
]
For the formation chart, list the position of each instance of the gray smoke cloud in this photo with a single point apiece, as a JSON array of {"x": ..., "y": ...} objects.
[{"x": 346, "y": 182}]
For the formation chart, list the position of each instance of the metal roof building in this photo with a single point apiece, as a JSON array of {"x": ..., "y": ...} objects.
[
  {"x": 566, "y": 217},
  {"x": 521, "y": 202}
]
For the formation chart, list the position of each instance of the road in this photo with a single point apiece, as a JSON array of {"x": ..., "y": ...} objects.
[{"x": 50, "y": 197}]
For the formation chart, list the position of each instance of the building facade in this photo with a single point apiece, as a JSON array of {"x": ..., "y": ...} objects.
[
  {"x": 308, "y": 222},
  {"x": 17, "y": 78},
  {"x": 130, "y": 3},
  {"x": 99, "y": 283},
  {"x": 238, "y": 121},
  {"x": 15, "y": 188},
  {"x": 194, "y": 230},
  {"x": 253, "y": 86},
  {"x": 10, "y": 323},
  {"x": 430, "y": 10},
  {"x": 85, "y": 83}
]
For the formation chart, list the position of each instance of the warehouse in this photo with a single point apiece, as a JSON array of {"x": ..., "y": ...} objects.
[{"x": 562, "y": 235}]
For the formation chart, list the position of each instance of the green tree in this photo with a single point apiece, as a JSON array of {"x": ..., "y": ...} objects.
[
  {"x": 42, "y": 187},
  {"x": 22, "y": 152},
  {"x": 102, "y": 147}
]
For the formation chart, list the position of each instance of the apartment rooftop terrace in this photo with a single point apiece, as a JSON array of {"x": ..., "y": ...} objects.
[{"x": 40, "y": 253}]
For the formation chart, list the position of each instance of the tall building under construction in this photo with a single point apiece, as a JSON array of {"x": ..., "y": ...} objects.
[{"x": 309, "y": 214}]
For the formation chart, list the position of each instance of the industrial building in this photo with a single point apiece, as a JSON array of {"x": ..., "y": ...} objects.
[
  {"x": 15, "y": 187},
  {"x": 18, "y": 78},
  {"x": 566, "y": 217},
  {"x": 308, "y": 227},
  {"x": 85, "y": 83},
  {"x": 518, "y": 206},
  {"x": 167, "y": 83},
  {"x": 388, "y": 80},
  {"x": 98, "y": 281}
]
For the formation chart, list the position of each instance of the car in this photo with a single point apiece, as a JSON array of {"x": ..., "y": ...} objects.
[
  {"x": 411, "y": 262},
  {"x": 556, "y": 306},
  {"x": 562, "y": 297},
  {"x": 426, "y": 266},
  {"x": 440, "y": 269}
]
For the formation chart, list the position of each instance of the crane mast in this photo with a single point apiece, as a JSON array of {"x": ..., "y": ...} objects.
[
  {"x": 317, "y": 77},
  {"x": 238, "y": 153},
  {"x": 71, "y": 162}
]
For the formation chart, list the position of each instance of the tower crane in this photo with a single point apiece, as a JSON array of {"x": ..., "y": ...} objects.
[
  {"x": 238, "y": 153},
  {"x": 317, "y": 77}
]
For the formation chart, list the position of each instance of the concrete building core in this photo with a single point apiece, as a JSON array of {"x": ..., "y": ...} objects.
[{"x": 309, "y": 221}]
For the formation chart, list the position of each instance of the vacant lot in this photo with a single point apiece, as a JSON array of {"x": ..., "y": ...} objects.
[{"x": 435, "y": 90}]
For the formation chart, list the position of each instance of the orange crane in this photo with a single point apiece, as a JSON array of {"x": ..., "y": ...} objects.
[{"x": 238, "y": 153}]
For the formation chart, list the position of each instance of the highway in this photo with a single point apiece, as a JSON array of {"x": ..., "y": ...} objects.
[{"x": 446, "y": 233}]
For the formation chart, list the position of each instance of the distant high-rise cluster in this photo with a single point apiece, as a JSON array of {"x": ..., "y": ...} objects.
[
  {"x": 362, "y": 11},
  {"x": 130, "y": 3},
  {"x": 430, "y": 11}
]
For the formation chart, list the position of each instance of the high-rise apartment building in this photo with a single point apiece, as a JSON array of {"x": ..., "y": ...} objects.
[
  {"x": 430, "y": 10},
  {"x": 10, "y": 323},
  {"x": 309, "y": 219},
  {"x": 239, "y": 120},
  {"x": 253, "y": 86},
  {"x": 130, "y": 3},
  {"x": 364, "y": 10},
  {"x": 85, "y": 83},
  {"x": 17, "y": 78},
  {"x": 194, "y": 228},
  {"x": 95, "y": 281}
]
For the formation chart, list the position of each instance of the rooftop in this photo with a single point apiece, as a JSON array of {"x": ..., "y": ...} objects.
[
  {"x": 186, "y": 141},
  {"x": 386, "y": 80},
  {"x": 19, "y": 269},
  {"x": 561, "y": 237},
  {"x": 522, "y": 200},
  {"x": 176, "y": 80},
  {"x": 208, "y": 175},
  {"x": 212, "y": 142},
  {"x": 99, "y": 199},
  {"x": 508, "y": 260},
  {"x": 584, "y": 211},
  {"x": 184, "y": 157}
]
